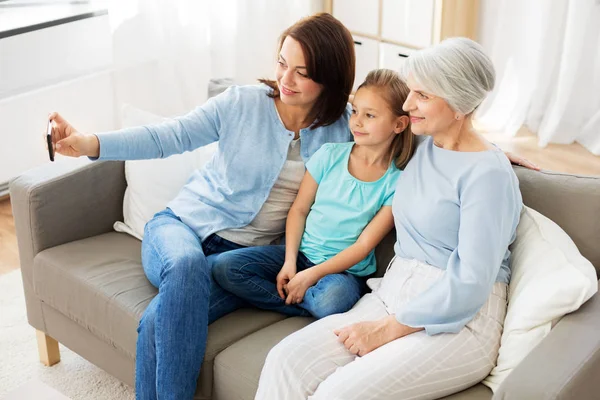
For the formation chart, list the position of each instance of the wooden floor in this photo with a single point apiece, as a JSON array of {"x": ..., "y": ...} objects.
[
  {"x": 569, "y": 158},
  {"x": 9, "y": 257},
  {"x": 572, "y": 158}
]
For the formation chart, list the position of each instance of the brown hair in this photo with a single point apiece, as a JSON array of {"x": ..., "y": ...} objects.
[
  {"x": 328, "y": 50},
  {"x": 393, "y": 89}
]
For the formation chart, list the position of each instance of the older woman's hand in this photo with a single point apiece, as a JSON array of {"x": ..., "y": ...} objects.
[
  {"x": 517, "y": 160},
  {"x": 364, "y": 337}
]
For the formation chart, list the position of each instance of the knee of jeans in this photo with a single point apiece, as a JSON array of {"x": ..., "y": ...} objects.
[
  {"x": 226, "y": 272},
  {"x": 332, "y": 300},
  {"x": 189, "y": 265},
  {"x": 219, "y": 272}
]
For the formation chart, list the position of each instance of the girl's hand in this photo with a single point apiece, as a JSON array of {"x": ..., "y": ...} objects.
[
  {"x": 517, "y": 160},
  {"x": 68, "y": 142},
  {"x": 288, "y": 271},
  {"x": 298, "y": 286},
  {"x": 364, "y": 337}
]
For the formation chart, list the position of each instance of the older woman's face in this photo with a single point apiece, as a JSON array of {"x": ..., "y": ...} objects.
[
  {"x": 429, "y": 114},
  {"x": 295, "y": 87}
]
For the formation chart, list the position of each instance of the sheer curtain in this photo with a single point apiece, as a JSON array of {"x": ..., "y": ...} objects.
[
  {"x": 166, "y": 51},
  {"x": 547, "y": 55},
  {"x": 244, "y": 42}
]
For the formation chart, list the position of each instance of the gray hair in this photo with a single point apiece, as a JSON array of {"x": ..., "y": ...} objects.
[{"x": 457, "y": 70}]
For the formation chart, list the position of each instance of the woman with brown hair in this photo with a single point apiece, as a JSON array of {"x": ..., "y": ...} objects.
[{"x": 266, "y": 133}]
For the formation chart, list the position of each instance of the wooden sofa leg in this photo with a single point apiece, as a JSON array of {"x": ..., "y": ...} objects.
[{"x": 48, "y": 349}]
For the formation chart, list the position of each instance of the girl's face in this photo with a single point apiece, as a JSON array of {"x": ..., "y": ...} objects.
[
  {"x": 372, "y": 121},
  {"x": 429, "y": 114},
  {"x": 295, "y": 87}
]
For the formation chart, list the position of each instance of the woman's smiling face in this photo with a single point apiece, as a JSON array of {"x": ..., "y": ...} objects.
[
  {"x": 295, "y": 87},
  {"x": 429, "y": 114}
]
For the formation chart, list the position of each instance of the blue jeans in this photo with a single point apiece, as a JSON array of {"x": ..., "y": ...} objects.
[
  {"x": 250, "y": 273},
  {"x": 173, "y": 329}
]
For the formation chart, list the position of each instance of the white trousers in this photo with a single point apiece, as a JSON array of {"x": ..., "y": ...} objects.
[{"x": 312, "y": 364}]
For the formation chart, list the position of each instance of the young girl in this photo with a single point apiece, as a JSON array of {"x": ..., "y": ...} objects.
[{"x": 342, "y": 211}]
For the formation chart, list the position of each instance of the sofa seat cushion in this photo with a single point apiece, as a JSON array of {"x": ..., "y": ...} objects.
[
  {"x": 237, "y": 369},
  {"x": 477, "y": 392},
  {"x": 99, "y": 283}
]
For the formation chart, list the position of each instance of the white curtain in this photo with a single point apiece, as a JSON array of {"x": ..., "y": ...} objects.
[
  {"x": 244, "y": 43},
  {"x": 166, "y": 51},
  {"x": 547, "y": 55}
]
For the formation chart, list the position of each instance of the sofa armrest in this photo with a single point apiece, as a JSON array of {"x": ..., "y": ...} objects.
[
  {"x": 57, "y": 204},
  {"x": 565, "y": 365},
  {"x": 60, "y": 203}
]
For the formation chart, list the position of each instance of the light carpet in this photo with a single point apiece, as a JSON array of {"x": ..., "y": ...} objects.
[{"x": 73, "y": 376}]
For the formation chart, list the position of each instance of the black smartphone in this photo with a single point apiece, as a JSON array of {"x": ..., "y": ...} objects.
[{"x": 49, "y": 141}]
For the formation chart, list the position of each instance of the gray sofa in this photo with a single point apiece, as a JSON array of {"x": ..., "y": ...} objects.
[{"x": 85, "y": 287}]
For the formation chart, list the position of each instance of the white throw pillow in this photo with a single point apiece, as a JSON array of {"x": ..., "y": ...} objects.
[
  {"x": 550, "y": 278},
  {"x": 151, "y": 184}
]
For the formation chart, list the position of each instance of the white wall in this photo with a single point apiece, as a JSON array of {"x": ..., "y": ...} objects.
[
  {"x": 64, "y": 68},
  {"x": 70, "y": 68}
]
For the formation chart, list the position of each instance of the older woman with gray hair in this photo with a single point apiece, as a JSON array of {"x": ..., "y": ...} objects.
[{"x": 432, "y": 325}]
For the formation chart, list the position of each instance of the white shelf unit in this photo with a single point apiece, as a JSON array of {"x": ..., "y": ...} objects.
[{"x": 385, "y": 32}]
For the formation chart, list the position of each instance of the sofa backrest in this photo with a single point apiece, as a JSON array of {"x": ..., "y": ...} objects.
[{"x": 572, "y": 201}]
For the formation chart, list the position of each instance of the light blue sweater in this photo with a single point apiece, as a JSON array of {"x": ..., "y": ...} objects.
[
  {"x": 459, "y": 212},
  {"x": 253, "y": 144}
]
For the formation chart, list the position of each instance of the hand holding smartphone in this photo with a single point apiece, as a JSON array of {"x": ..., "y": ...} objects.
[
  {"x": 62, "y": 138},
  {"x": 49, "y": 141}
]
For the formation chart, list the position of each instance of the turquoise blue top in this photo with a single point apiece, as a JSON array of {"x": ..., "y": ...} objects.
[
  {"x": 343, "y": 206},
  {"x": 458, "y": 212},
  {"x": 253, "y": 145}
]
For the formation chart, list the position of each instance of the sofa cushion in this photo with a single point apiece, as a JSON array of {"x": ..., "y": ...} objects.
[
  {"x": 99, "y": 283},
  {"x": 477, "y": 392},
  {"x": 550, "y": 279},
  {"x": 237, "y": 368},
  {"x": 151, "y": 184},
  {"x": 226, "y": 331}
]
